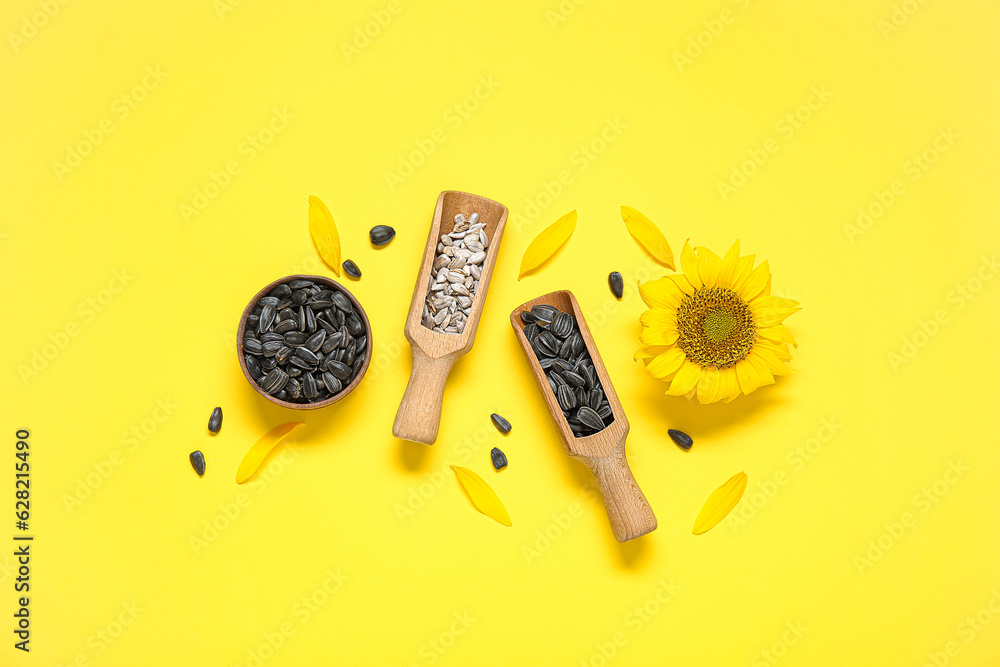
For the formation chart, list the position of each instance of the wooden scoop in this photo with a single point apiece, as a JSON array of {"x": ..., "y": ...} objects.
[
  {"x": 602, "y": 452},
  {"x": 419, "y": 414}
]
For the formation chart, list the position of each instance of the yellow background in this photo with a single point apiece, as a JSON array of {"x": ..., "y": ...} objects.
[{"x": 118, "y": 556}]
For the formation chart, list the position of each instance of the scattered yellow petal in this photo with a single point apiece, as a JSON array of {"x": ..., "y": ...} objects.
[
  {"x": 720, "y": 503},
  {"x": 545, "y": 244},
  {"x": 649, "y": 236},
  {"x": 324, "y": 233},
  {"x": 253, "y": 458},
  {"x": 483, "y": 497}
]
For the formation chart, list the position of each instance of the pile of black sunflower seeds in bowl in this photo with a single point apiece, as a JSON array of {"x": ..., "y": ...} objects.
[
  {"x": 304, "y": 342},
  {"x": 563, "y": 355}
]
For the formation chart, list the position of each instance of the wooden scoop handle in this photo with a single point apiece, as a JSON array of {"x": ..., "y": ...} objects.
[
  {"x": 628, "y": 509},
  {"x": 419, "y": 414}
]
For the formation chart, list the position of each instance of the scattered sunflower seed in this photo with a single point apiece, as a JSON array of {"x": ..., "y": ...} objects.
[
  {"x": 381, "y": 234},
  {"x": 215, "y": 421},
  {"x": 351, "y": 269},
  {"x": 197, "y": 460},
  {"x": 498, "y": 458},
  {"x": 616, "y": 284},
  {"x": 502, "y": 424},
  {"x": 681, "y": 439}
]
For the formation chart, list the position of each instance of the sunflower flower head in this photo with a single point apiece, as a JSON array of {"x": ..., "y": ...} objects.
[{"x": 714, "y": 331}]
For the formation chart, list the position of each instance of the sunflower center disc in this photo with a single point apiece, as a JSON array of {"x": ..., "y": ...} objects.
[{"x": 715, "y": 327}]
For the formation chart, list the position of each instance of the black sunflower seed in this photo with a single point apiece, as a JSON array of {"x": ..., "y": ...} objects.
[
  {"x": 197, "y": 460},
  {"x": 284, "y": 326},
  {"x": 274, "y": 381},
  {"x": 282, "y": 291},
  {"x": 543, "y": 312},
  {"x": 271, "y": 337},
  {"x": 547, "y": 362},
  {"x": 315, "y": 341},
  {"x": 253, "y": 366},
  {"x": 342, "y": 302},
  {"x": 498, "y": 459},
  {"x": 566, "y": 349},
  {"x": 267, "y": 363},
  {"x": 215, "y": 421},
  {"x": 287, "y": 314},
  {"x": 530, "y": 331},
  {"x": 594, "y": 398},
  {"x": 271, "y": 348},
  {"x": 269, "y": 301},
  {"x": 332, "y": 342},
  {"x": 527, "y": 316},
  {"x": 350, "y": 353},
  {"x": 283, "y": 355},
  {"x": 299, "y": 283},
  {"x": 299, "y": 297},
  {"x": 590, "y": 418},
  {"x": 310, "y": 320},
  {"x": 266, "y": 320},
  {"x": 293, "y": 371},
  {"x": 578, "y": 344},
  {"x": 252, "y": 346},
  {"x": 381, "y": 234},
  {"x": 553, "y": 384},
  {"x": 681, "y": 439},
  {"x": 252, "y": 321},
  {"x": 573, "y": 379},
  {"x": 309, "y": 388},
  {"x": 307, "y": 355},
  {"x": 605, "y": 410},
  {"x": 566, "y": 397},
  {"x": 295, "y": 338},
  {"x": 339, "y": 369},
  {"x": 502, "y": 424},
  {"x": 562, "y": 324},
  {"x": 332, "y": 383},
  {"x": 616, "y": 284},
  {"x": 351, "y": 269},
  {"x": 354, "y": 324}
]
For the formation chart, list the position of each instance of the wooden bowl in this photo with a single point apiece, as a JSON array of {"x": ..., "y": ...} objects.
[{"x": 322, "y": 280}]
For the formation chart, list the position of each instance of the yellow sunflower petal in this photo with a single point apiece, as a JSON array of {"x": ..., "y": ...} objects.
[
  {"x": 686, "y": 378},
  {"x": 755, "y": 282},
  {"x": 683, "y": 284},
  {"x": 689, "y": 262},
  {"x": 709, "y": 265},
  {"x": 661, "y": 293},
  {"x": 771, "y": 361},
  {"x": 727, "y": 383},
  {"x": 646, "y": 352},
  {"x": 658, "y": 335},
  {"x": 666, "y": 364},
  {"x": 747, "y": 376},
  {"x": 729, "y": 263},
  {"x": 720, "y": 503},
  {"x": 780, "y": 350},
  {"x": 763, "y": 373},
  {"x": 744, "y": 267},
  {"x": 691, "y": 394},
  {"x": 769, "y": 311},
  {"x": 708, "y": 385},
  {"x": 662, "y": 317},
  {"x": 778, "y": 333},
  {"x": 736, "y": 390}
]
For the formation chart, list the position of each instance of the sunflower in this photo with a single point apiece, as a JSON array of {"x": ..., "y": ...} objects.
[{"x": 714, "y": 331}]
